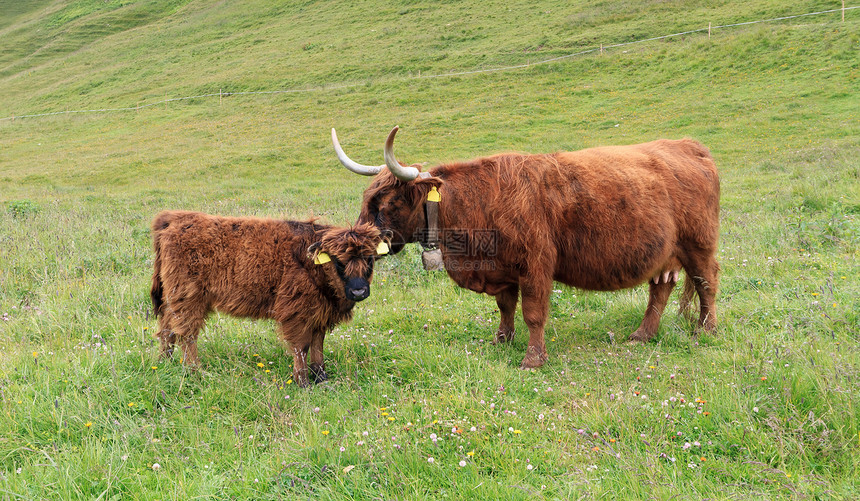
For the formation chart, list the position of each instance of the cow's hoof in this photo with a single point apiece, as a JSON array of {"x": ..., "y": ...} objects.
[
  {"x": 504, "y": 336},
  {"x": 639, "y": 336},
  {"x": 317, "y": 374},
  {"x": 534, "y": 358}
]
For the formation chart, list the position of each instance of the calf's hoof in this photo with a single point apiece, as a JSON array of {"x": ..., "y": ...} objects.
[
  {"x": 503, "y": 336},
  {"x": 301, "y": 379},
  {"x": 534, "y": 358}
]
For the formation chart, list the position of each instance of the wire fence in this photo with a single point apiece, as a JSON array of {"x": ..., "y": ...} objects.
[{"x": 220, "y": 94}]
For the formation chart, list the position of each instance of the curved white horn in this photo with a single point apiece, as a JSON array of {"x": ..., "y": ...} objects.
[
  {"x": 364, "y": 170},
  {"x": 400, "y": 172}
]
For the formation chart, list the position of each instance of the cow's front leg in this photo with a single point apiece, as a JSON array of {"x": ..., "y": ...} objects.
[
  {"x": 507, "y": 302},
  {"x": 316, "y": 369},
  {"x": 535, "y": 312},
  {"x": 299, "y": 338}
]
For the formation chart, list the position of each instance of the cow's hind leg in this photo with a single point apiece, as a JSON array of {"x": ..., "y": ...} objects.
[
  {"x": 704, "y": 270},
  {"x": 535, "y": 311},
  {"x": 507, "y": 302},
  {"x": 316, "y": 368},
  {"x": 658, "y": 297}
]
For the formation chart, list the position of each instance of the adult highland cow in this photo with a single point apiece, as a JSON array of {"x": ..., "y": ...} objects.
[
  {"x": 602, "y": 219},
  {"x": 304, "y": 275}
]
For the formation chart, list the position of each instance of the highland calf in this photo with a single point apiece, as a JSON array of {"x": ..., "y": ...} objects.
[
  {"x": 602, "y": 219},
  {"x": 304, "y": 275}
]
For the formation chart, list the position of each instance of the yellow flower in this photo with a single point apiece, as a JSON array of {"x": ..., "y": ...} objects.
[
  {"x": 131, "y": 404},
  {"x": 391, "y": 419},
  {"x": 154, "y": 367},
  {"x": 259, "y": 364},
  {"x": 289, "y": 381},
  {"x": 384, "y": 413},
  {"x": 35, "y": 354},
  {"x": 88, "y": 424},
  {"x": 517, "y": 432},
  {"x": 325, "y": 432},
  {"x": 383, "y": 408},
  {"x": 470, "y": 453}
]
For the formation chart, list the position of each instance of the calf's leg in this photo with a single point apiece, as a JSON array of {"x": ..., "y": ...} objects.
[
  {"x": 507, "y": 302},
  {"x": 186, "y": 320},
  {"x": 316, "y": 370},
  {"x": 166, "y": 336},
  {"x": 298, "y": 336}
]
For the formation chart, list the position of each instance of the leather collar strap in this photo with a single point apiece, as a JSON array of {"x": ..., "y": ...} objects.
[{"x": 432, "y": 255}]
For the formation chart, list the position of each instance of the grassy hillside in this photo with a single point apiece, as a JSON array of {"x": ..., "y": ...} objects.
[{"x": 766, "y": 407}]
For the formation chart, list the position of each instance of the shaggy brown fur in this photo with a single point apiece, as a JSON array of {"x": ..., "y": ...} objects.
[
  {"x": 599, "y": 219},
  {"x": 258, "y": 268}
]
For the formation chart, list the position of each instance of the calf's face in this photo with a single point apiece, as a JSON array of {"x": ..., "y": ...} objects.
[{"x": 349, "y": 255}]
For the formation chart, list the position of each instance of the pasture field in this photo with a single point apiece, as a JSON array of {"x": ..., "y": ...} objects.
[{"x": 419, "y": 404}]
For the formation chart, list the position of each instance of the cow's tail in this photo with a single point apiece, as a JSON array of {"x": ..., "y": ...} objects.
[{"x": 160, "y": 222}]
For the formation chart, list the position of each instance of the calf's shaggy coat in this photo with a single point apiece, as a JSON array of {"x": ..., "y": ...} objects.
[{"x": 259, "y": 268}]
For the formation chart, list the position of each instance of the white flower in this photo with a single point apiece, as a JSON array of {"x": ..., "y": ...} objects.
[
  {"x": 156, "y": 466},
  {"x": 755, "y": 409},
  {"x": 530, "y": 467},
  {"x": 462, "y": 464},
  {"x": 430, "y": 460}
]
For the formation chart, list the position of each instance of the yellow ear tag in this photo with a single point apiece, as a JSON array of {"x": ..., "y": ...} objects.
[
  {"x": 434, "y": 196},
  {"x": 382, "y": 248},
  {"x": 322, "y": 258}
]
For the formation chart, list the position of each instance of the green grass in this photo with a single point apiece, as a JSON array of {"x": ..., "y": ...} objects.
[{"x": 765, "y": 408}]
